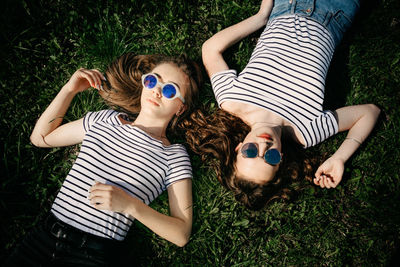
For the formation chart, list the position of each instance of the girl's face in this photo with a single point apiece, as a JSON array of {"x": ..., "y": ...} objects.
[
  {"x": 256, "y": 169},
  {"x": 154, "y": 103}
]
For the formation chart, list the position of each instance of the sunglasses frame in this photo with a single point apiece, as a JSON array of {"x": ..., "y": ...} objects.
[
  {"x": 263, "y": 156},
  {"x": 177, "y": 95}
]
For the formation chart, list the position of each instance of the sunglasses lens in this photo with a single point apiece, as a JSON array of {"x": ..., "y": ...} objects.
[
  {"x": 249, "y": 150},
  {"x": 150, "y": 81},
  {"x": 169, "y": 91},
  {"x": 272, "y": 156}
]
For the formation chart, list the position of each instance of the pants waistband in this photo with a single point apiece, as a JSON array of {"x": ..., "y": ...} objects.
[
  {"x": 76, "y": 237},
  {"x": 335, "y": 15}
]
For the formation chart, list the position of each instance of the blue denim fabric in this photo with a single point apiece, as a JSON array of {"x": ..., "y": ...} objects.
[{"x": 335, "y": 15}]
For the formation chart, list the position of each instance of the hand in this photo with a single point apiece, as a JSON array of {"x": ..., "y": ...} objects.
[
  {"x": 109, "y": 197},
  {"x": 265, "y": 9},
  {"x": 83, "y": 79},
  {"x": 330, "y": 173}
]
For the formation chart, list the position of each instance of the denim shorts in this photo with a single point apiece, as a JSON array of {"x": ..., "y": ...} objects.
[{"x": 335, "y": 15}]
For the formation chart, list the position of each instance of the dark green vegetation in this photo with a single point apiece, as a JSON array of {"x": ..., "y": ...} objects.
[{"x": 357, "y": 224}]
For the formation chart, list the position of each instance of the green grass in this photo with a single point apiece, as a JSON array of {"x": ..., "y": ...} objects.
[{"x": 357, "y": 224}]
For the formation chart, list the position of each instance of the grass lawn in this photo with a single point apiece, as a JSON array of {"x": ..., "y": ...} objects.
[{"x": 357, "y": 224}]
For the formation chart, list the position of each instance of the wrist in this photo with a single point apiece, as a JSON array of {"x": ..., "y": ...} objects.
[
  {"x": 132, "y": 207},
  {"x": 338, "y": 157},
  {"x": 69, "y": 89}
]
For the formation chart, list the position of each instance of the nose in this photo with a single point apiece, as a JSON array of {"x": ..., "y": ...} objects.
[
  {"x": 157, "y": 91},
  {"x": 263, "y": 146}
]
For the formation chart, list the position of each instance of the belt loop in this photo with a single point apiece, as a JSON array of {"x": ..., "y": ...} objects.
[
  {"x": 294, "y": 2},
  {"x": 84, "y": 239},
  {"x": 327, "y": 19},
  {"x": 56, "y": 232}
]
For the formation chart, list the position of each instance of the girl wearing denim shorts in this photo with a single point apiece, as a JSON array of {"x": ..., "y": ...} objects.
[{"x": 279, "y": 93}]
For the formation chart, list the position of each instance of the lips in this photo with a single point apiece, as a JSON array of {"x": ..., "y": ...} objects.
[
  {"x": 265, "y": 136},
  {"x": 154, "y": 102}
]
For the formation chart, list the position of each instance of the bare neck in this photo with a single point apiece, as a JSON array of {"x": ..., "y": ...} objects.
[
  {"x": 255, "y": 115},
  {"x": 154, "y": 126}
]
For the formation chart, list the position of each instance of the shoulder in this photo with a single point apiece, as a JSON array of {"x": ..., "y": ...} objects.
[
  {"x": 98, "y": 116},
  {"x": 322, "y": 127},
  {"x": 101, "y": 115},
  {"x": 223, "y": 75},
  {"x": 177, "y": 156},
  {"x": 177, "y": 150},
  {"x": 179, "y": 164}
]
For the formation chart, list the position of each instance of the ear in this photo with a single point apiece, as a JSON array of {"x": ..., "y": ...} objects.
[
  {"x": 238, "y": 147},
  {"x": 182, "y": 109}
]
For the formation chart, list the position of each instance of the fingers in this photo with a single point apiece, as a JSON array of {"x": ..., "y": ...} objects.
[
  {"x": 84, "y": 73},
  {"x": 98, "y": 200},
  {"x": 100, "y": 196},
  {"x": 335, "y": 182},
  {"x": 99, "y": 193},
  {"x": 94, "y": 77},
  {"x": 100, "y": 78},
  {"x": 318, "y": 176},
  {"x": 99, "y": 190},
  {"x": 108, "y": 197},
  {"x": 325, "y": 181},
  {"x": 100, "y": 186},
  {"x": 100, "y": 203},
  {"x": 328, "y": 181},
  {"x": 322, "y": 181},
  {"x": 319, "y": 172}
]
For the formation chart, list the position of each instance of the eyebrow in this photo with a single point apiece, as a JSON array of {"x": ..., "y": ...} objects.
[{"x": 159, "y": 76}]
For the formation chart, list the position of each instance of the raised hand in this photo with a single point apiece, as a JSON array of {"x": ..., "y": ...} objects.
[
  {"x": 83, "y": 79},
  {"x": 330, "y": 173}
]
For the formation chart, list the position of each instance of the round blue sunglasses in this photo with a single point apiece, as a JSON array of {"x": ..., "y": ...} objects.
[
  {"x": 169, "y": 90},
  {"x": 271, "y": 156}
]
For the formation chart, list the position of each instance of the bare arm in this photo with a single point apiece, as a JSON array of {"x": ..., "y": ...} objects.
[
  {"x": 213, "y": 48},
  {"x": 48, "y": 131},
  {"x": 175, "y": 228},
  {"x": 359, "y": 120}
]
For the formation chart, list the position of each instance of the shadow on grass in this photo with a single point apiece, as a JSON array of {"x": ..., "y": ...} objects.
[
  {"x": 18, "y": 212},
  {"x": 338, "y": 82},
  {"x": 395, "y": 260}
]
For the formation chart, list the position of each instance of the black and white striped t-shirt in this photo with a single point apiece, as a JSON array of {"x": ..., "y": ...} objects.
[
  {"x": 117, "y": 154},
  {"x": 286, "y": 75}
]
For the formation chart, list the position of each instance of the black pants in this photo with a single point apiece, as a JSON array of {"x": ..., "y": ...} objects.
[{"x": 54, "y": 243}]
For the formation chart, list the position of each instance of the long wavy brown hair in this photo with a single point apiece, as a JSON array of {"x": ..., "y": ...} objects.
[
  {"x": 123, "y": 88},
  {"x": 215, "y": 136}
]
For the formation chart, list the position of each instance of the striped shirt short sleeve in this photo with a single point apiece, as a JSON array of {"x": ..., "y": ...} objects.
[
  {"x": 286, "y": 75},
  {"x": 222, "y": 83},
  {"x": 92, "y": 117},
  {"x": 180, "y": 167}
]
